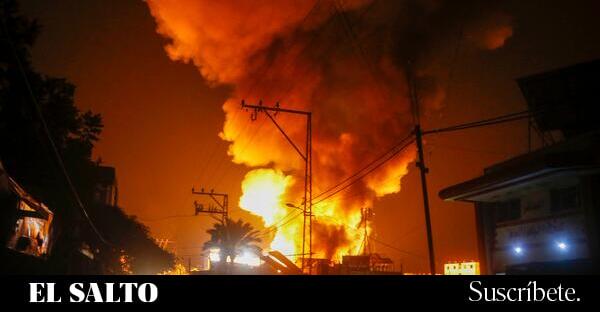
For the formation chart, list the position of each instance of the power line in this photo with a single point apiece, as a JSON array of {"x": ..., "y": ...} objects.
[
  {"x": 265, "y": 71},
  {"x": 49, "y": 136},
  {"x": 309, "y": 43},
  {"x": 352, "y": 36},
  {"x": 253, "y": 135},
  {"x": 276, "y": 224},
  {"x": 294, "y": 66},
  {"x": 364, "y": 192},
  {"x": 166, "y": 218},
  {"x": 395, "y": 248},
  {"x": 485, "y": 122},
  {"x": 454, "y": 58},
  {"x": 462, "y": 148},
  {"x": 390, "y": 150},
  {"x": 363, "y": 175},
  {"x": 359, "y": 177},
  {"x": 248, "y": 141},
  {"x": 280, "y": 226},
  {"x": 381, "y": 242},
  {"x": 358, "y": 48}
]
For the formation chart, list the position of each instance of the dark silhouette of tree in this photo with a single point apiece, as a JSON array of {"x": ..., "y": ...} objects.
[
  {"x": 232, "y": 238},
  {"x": 145, "y": 256},
  {"x": 28, "y": 157}
]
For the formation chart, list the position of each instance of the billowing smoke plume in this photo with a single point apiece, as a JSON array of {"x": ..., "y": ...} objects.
[{"x": 346, "y": 61}]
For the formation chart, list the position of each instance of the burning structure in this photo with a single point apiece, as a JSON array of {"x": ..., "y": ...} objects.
[
  {"x": 346, "y": 62},
  {"x": 26, "y": 225},
  {"x": 366, "y": 264},
  {"x": 538, "y": 212}
]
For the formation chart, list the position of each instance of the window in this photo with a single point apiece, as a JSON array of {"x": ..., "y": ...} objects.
[
  {"x": 508, "y": 210},
  {"x": 564, "y": 199}
]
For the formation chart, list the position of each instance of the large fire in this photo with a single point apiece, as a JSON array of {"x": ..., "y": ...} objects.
[
  {"x": 345, "y": 61},
  {"x": 264, "y": 194},
  {"x": 268, "y": 193}
]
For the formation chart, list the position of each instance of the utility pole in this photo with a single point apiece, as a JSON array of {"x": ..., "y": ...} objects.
[
  {"x": 366, "y": 213},
  {"x": 163, "y": 243},
  {"x": 424, "y": 170},
  {"x": 307, "y": 157},
  {"x": 421, "y": 163},
  {"x": 223, "y": 204}
]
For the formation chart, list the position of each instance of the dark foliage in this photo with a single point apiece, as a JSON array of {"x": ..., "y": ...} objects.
[
  {"x": 232, "y": 238},
  {"x": 28, "y": 157}
]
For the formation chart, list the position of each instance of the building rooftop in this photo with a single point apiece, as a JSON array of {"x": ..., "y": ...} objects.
[
  {"x": 566, "y": 99},
  {"x": 579, "y": 155}
]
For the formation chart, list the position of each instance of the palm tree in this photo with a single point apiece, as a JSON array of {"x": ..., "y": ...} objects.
[{"x": 232, "y": 238}]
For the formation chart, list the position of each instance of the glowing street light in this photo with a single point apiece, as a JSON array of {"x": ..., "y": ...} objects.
[
  {"x": 518, "y": 250},
  {"x": 215, "y": 255},
  {"x": 293, "y": 206},
  {"x": 562, "y": 245},
  {"x": 296, "y": 207}
]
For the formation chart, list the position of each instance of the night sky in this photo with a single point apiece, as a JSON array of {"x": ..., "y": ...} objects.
[{"x": 162, "y": 119}]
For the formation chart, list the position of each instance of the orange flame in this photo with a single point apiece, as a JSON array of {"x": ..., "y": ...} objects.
[
  {"x": 303, "y": 57},
  {"x": 264, "y": 194}
]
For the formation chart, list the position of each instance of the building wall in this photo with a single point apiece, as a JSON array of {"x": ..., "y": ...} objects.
[
  {"x": 539, "y": 241},
  {"x": 591, "y": 208},
  {"x": 542, "y": 232}
]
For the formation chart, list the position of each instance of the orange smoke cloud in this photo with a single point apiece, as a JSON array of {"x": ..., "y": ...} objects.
[
  {"x": 342, "y": 60},
  {"x": 493, "y": 33}
]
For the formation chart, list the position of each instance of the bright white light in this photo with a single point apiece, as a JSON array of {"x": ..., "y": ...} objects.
[
  {"x": 562, "y": 245},
  {"x": 214, "y": 255},
  {"x": 518, "y": 250},
  {"x": 248, "y": 258}
]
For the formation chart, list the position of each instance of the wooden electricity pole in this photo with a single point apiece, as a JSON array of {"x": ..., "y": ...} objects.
[
  {"x": 424, "y": 170},
  {"x": 414, "y": 98}
]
